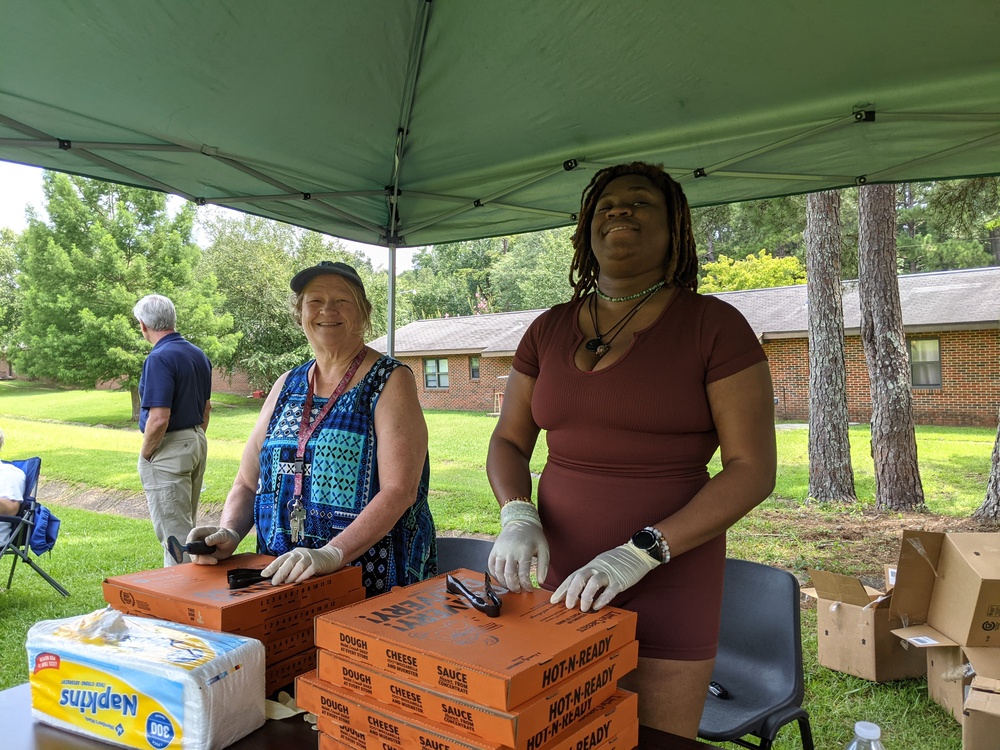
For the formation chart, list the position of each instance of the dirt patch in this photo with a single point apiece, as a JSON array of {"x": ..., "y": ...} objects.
[
  {"x": 133, "y": 505},
  {"x": 848, "y": 542},
  {"x": 100, "y": 500},
  {"x": 863, "y": 542}
]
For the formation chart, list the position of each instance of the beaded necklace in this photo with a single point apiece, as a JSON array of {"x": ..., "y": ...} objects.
[{"x": 630, "y": 297}]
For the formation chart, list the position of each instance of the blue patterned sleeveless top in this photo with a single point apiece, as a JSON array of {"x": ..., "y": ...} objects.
[{"x": 341, "y": 478}]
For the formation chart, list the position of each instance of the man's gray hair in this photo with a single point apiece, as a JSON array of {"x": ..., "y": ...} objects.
[
  {"x": 157, "y": 312},
  {"x": 1, "y": 438}
]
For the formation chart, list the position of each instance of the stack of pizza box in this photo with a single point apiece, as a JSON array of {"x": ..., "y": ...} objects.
[
  {"x": 281, "y": 617},
  {"x": 420, "y": 667}
]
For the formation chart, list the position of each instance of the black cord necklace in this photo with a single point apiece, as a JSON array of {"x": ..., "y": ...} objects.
[{"x": 598, "y": 345}]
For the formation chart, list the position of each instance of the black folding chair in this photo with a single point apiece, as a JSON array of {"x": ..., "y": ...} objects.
[
  {"x": 463, "y": 552},
  {"x": 23, "y": 524},
  {"x": 759, "y": 662}
]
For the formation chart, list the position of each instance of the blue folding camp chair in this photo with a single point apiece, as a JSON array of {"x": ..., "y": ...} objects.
[{"x": 23, "y": 525}]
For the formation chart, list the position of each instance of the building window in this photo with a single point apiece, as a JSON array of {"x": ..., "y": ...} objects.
[
  {"x": 435, "y": 373},
  {"x": 925, "y": 363},
  {"x": 473, "y": 368}
]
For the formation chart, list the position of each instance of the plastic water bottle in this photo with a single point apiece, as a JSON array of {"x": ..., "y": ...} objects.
[{"x": 866, "y": 737}]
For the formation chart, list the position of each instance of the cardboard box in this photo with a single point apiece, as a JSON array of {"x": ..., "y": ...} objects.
[
  {"x": 981, "y": 727},
  {"x": 627, "y": 739},
  {"x": 200, "y": 595},
  {"x": 948, "y": 678},
  {"x": 362, "y": 724},
  {"x": 946, "y": 684},
  {"x": 294, "y": 632},
  {"x": 950, "y": 582},
  {"x": 855, "y": 631},
  {"x": 298, "y": 624},
  {"x": 512, "y": 728},
  {"x": 283, "y": 673},
  {"x": 428, "y": 636}
]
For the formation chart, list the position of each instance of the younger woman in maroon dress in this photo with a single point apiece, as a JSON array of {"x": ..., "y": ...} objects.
[{"x": 637, "y": 381}]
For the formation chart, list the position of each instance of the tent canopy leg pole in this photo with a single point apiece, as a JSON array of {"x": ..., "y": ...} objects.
[{"x": 390, "y": 337}]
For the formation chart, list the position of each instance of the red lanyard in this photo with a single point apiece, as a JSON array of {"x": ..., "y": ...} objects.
[{"x": 307, "y": 428}]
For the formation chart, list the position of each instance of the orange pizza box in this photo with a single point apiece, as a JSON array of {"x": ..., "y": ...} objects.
[
  {"x": 200, "y": 594},
  {"x": 362, "y": 723},
  {"x": 283, "y": 673},
  {"x": 613, "y": 724},
  {"x": 588, "y": 687},
  {"x": 430, "y": 637},
  {"x": 627, "y": 739},
  {"x": 299, "y": 622},
  {"x": 281, "y": 648},
  {"x": 294, "y": 631}
]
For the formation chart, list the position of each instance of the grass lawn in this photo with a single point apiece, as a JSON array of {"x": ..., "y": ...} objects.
[{"x": 84, "y": 437}]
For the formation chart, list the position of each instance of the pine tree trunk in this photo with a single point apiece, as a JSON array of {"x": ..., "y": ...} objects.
[
  {"x": 831, "y": 477},
  {"x": 894, "y": 444},
  {"x": 990, "y": 509}
]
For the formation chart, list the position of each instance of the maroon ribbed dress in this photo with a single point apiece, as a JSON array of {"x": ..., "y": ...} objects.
[{"x": 628, "y": 446}]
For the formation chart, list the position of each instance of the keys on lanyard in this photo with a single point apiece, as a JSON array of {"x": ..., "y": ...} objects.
[{"x": 296, "y": 519}]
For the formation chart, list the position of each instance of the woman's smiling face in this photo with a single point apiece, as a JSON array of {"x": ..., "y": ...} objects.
[
  {"x": 329, "y": 310},
  {"x": 630, "y": 224}
]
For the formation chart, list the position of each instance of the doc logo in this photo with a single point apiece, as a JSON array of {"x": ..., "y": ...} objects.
[{"x": 159, "y": 730}]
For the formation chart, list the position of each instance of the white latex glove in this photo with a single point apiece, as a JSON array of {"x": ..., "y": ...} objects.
[
  {"x": 224, "y": 540},
  {"x": 614, "y": 571},
  {"x": 521, "y": 538},
  {"x": 302, "y": 563}
]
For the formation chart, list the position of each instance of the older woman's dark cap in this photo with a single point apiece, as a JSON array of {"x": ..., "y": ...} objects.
[{"x": 336, "y": 268}]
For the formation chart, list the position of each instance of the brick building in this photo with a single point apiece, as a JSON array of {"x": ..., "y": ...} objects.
[
  {"x": 461, "y": 363},
  {"x": 951, "y": 320}
]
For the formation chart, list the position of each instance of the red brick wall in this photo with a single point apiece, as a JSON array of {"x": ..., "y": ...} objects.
[
  {"x": 237, "y": 383},
  {"x": 970, "y": 380},
  {"x": 462, "y": 393}
]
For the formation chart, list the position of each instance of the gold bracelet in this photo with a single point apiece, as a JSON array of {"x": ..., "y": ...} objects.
[{"x": 518, "y": 499}]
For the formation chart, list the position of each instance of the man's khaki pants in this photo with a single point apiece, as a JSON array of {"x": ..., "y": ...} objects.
[{"x": 172, "y": 481}]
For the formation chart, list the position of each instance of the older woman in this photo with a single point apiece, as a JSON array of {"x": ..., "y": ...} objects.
[
  {"x": 637, "y": 381},
  {"x": 336, "y": 468}
]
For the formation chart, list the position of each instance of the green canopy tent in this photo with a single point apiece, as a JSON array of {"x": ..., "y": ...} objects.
[{"x": 415, "y": 122}]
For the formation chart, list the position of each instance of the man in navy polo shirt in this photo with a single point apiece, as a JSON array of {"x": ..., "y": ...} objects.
[{"x": 174, "y": 393}]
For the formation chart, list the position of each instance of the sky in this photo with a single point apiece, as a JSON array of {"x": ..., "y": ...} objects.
[{"x": 21, "y": 186}]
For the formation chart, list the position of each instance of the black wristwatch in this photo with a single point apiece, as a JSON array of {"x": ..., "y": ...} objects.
[{"x": 647, "y": 540}]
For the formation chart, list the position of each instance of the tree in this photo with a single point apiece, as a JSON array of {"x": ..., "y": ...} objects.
[
  {"x": 711, "y": 225},
  {"x": 925, "y": 253},
  {"x": 758, "y": 271},
  {"x": 106, "y": 246},
  {"x": 254, "y": 260},
  {"x": 831, "y": 476},
  {"x": 737, "y": 229},
  {"x": 10, "y": 296},
  {"x": 454, "y": 278},
  {"x": 534, "y": 273},
  {"x": 990, "y": 509},
  {"x": 894, "y": 445},
  {"x": 969, "y": 209}
]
